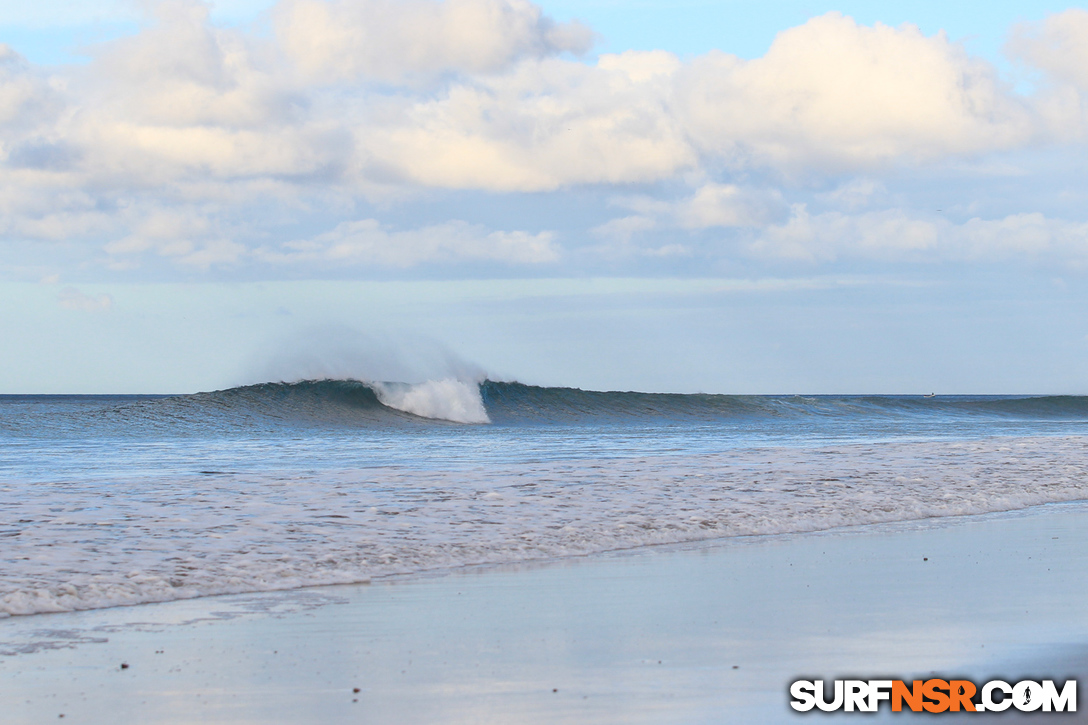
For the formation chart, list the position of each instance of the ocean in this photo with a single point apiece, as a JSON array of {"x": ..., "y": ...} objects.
[{"x": 120, "y": 500}]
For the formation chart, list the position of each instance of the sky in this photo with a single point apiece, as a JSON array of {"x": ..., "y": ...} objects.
[{"x": 732, "y": 197}]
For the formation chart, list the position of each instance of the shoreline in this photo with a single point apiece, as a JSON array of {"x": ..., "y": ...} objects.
[
  {"x": 878, "y": 527},
  {"x": 641, "y": 635}
]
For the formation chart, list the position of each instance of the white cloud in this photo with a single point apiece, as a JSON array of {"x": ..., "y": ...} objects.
[
  {"x": 200, "y": 144},
  {"x": 185, "y": 99},
  {"x": 24, "y": 96},
  {"x": 623, "y": 229},
  {"x": 159, "y": 228},
  {"x": 830, "y": 95},
  {"x": 368, "y": 242},
  {"x": 398, "y": 40},
  {"x": 728, "y": 205},
  {"x": 833, "y": 94},
  {"x": 544, "y": 125},
  {"x": 768, "y": 229},
  {"x": 1025, "y": 234},
  {"x": 711, "y": 205},
  {"x": 854, "y": 194},
  {"x": 722, "y": 205},
  {"x": 213, "y": 253},
  {"x": 895, "y": 234},
  {"x": 1057, "y": 45},
  {"x": 71, "y": 298},
  {"x": 628, "y": 237},
  {"x": 184, "y": 102},
  {"x": 827, "y": 236}
]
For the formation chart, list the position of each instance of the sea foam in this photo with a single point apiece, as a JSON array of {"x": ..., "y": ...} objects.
[{"x": 72, "y": 545}]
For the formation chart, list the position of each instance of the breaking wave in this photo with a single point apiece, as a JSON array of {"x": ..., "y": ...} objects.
[
  {"x": 449, "y": 399},
  {"x": 267, "y": 407},
  {"x": 275, "y": 409}
]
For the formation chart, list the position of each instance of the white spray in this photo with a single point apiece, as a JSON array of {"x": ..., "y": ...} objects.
[
  {"x": 430, "y": 380},
  {"x": 447, "y": 399}
]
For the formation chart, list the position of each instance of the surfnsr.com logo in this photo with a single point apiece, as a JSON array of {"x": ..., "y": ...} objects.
[{"x": 934, "y": 696}]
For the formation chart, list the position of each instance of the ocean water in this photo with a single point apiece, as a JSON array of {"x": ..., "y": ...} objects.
[{"x": 116, "y": 500}]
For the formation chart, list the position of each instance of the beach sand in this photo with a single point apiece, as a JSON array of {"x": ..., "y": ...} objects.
[{"x": 703, "y": 633}]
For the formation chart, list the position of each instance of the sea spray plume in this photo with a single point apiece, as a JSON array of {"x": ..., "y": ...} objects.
[
  {"x": 409, "y": 373},
  {"x": 338, "y": 352}
]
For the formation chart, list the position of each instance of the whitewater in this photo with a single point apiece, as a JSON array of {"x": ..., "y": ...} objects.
[{"x": 119, "y": 500}]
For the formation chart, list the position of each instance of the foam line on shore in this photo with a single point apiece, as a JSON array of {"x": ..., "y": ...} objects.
[{"x": 709, "y": 632}]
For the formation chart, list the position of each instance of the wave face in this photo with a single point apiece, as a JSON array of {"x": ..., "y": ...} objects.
[
  {"x": 515, "y": 402},
  {"x": 341, "y": 401},
  {"x": 355, "y": 404},
  {"x": 266, "y": 409}
]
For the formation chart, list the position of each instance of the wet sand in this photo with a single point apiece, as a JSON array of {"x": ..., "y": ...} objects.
[{"x": 708, "y": 633}]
